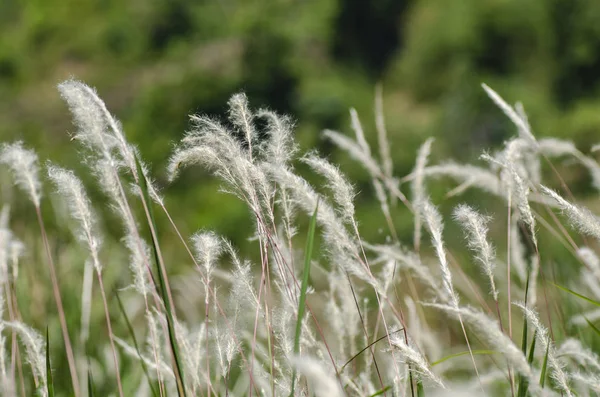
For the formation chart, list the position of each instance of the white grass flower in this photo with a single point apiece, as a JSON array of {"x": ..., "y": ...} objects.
[
  {"x": 581, "y": 355},
  {"x": 70, "y": 187},
  {"x": 418, "y": 188},
  {"x": 343, "y": 193},
  {"x": 280, "y": 147},
  {"x": 383, "y": 142},
  {"x": 521, "y": 124},
  {"x": 35, "y": 351},
  {"x": 558, "y": 373},
  {"x": 489, "y": 331},
  {"x": 433, "y": 220},
  {"x": 25, "y": 169},
  {"x": 580, "y": 217},
  {"x": 322, "y": 383},
  {"x": 413, "y": 357},
  {"x": 475, "y": 226},
  {"x": 241, "y": 116}
]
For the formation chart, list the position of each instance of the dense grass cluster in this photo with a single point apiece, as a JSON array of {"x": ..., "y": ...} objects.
[{"x": 323, "y": 312}]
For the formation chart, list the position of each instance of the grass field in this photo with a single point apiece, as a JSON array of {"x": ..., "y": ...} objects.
[{"x": 500, "y": 301}]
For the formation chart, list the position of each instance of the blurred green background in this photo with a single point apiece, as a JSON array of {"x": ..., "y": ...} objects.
[{"x": 156, "y": 62}]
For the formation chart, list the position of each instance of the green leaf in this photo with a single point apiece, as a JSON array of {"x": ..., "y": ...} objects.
[
  {"x": 91, "y": 385},
  {"x": 593, "y": 326},
  {"x": 475, "y": 352},
  {"x": 380, "y": 392},
  {"x": 420, "y": 389},
  {"x": 135, "y": 344},
  {"x": 163, "y": 283},
  {"x": 310, "y": 240},
  {"x": 49, "y": 378},
  {"x": 590, "y": 300},
  {"x": 544, "y": 367}
]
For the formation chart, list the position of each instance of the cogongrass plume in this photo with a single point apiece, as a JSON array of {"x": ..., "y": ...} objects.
[{"x": 25, "y": 169}]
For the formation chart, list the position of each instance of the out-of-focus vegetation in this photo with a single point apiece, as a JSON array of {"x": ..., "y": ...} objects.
[{"x": 156, "y": 62}]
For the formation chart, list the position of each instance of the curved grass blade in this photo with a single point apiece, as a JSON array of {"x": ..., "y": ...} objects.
[
  {"x": 380, "y": 392},
  {"x": 420, "y": 390},
  {"x": 585, "y": 298},
  {"x": 544, "y": 368},
  {"x": 368, "y": 346},
  {"x": 50, "y": 379},
  {"x": 163, "y": 284},
  {"x": 310, "y": 240},
  {"x": 596, "y": 330},
  {"x": 465, "y": 353},
  {"x": 135, "y": 344},
  {"x": 91, "y": 385}
]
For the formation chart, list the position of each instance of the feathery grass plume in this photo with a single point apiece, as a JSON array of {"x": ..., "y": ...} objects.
[
  {"x": 241, "y": 116},
  {"x": 366, "y": 160},
  {"x": 591, "y": 380},
  {"x": 382, "y": 138},
  {"x": 163, "y": 368},
  {"x": 417, "y": 187},
  {"x": 280, "y": 147},
  {"x": 72, "y": 189},
  {"x": 553, "y": 147},
  {"x": 517, "y": 119},
  {"x": 580, "y": 217},
  {"x": 212, "y": 145},
  {"x": 35, "y": 350},
  {"x": 343, "y": 192},
  {"x": 488, "y": 330},
  {"x": 321, "y": 382},
  {"x": 418, "y": 363},
  {"x": 208, "y": 249},
  {"x": 581, "y": 355},
  {"x": 434, "y": 223},
  {"x": 558, "y": 373},
  {"x": 343, "y": 249},
  {"x": 475, "y": 226},
  {"x": 25, "y": 169},
  {"x": 412, "y": 262},
  {"x": 466, "y": 174}
]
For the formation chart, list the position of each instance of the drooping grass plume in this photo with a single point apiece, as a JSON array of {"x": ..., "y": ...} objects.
[
  {"x": 25, "y": 168},
  {"x": 581, "y": 218},
  {"x": 543, "y": 337},
  {"x": 475, "y": 226}
]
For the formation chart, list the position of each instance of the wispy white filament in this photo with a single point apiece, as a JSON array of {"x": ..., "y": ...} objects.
[
  {"x": 69, "y": 186},
  {"x": 580, "y": 217},
  {"x": 321, "y": 383},
  {"x": 558, "y": 373},
  {"x": 433, "y": 220},
  {"x": 475, "y": 226},
  {"x": 413, "y": 357},
  {"x": 343, "y": 193},
  {"x": 25, "y": 169}
]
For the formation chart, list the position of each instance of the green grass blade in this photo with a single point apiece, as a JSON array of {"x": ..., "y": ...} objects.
[
  {"x": 91, "y": 385},
  {"x": 49, "y": 378},
  {"x": 522, "y": 388},
  {"x": 585, "y": 298},
  {"x": 380, "y": 392},
  {"x": 135, "y": 343},
  {"x": 524, "y": 382},
  {"x": 163, "y": 285},
  {"x": 465, "y": 353},
  {"x": 310, "y": 240},
  {"x": 593, "y": 326},
  {"x": 420, "y": 389},
  {"x": 544, "y": 368}
]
